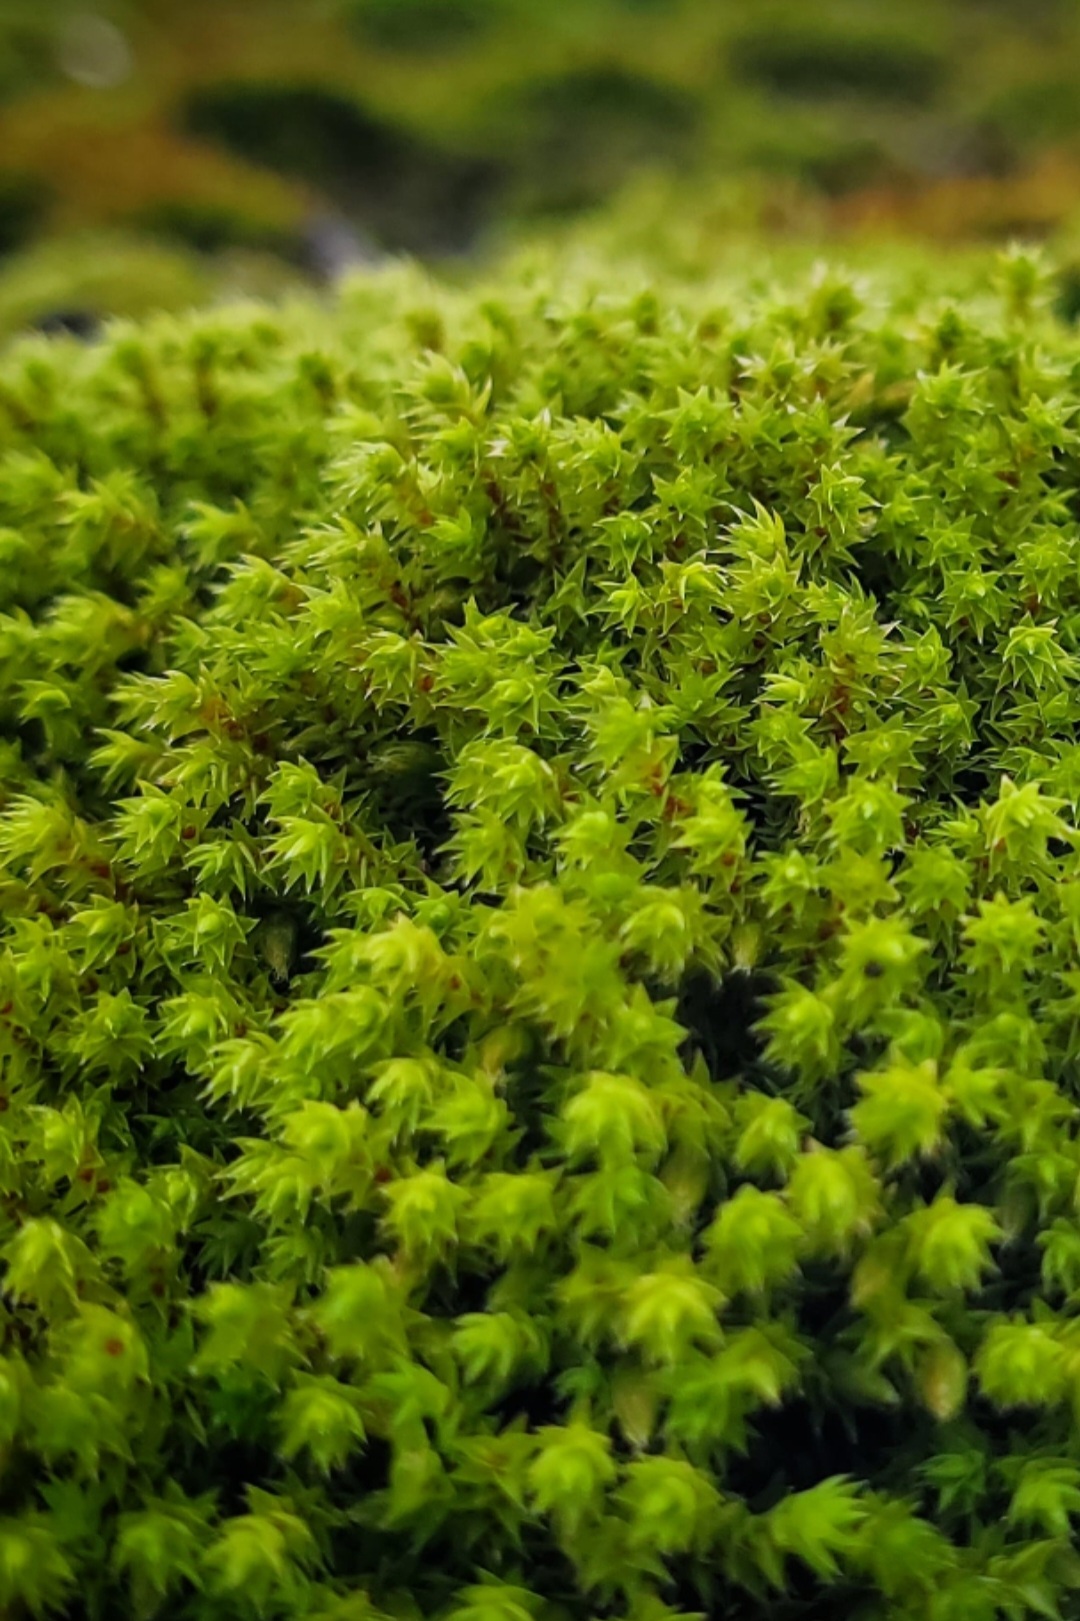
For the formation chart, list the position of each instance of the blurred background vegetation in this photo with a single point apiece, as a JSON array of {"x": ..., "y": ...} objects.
[{"x": 157, "y": 151}]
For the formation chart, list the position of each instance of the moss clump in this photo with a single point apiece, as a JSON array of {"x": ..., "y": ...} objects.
[
  {"x": 23, "y": 204},
  {"x": 815, "y": 62},
  {"x": 412, "y": 194},
  {"x": 582, "y": 133},
  {"x": 538, "y": 1006},
  {"x": 85, "y": 279},
  {"x": 423, "y": 25}
]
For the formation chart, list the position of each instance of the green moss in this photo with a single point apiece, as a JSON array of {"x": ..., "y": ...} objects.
[
  {"x": 210, "y": 229},
  {"x": 582, "y": 133},
  {"x": 538, "y": 921},
  {"x": 411, "y": 194},
  {"x": 97, "y": 276},
  {"x": 24, "y": 203},
  {"x": 423, "y": 25},
  {"x": 92, "y": 278},
  {"x": 1035, "y": 115},
  {"x": 833, "y": 164},
  {"x": 27, "y": 51},
  {"x": 812, "y": 62}
]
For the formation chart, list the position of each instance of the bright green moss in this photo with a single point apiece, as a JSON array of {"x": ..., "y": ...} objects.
[{"x": 538, "y": 997}]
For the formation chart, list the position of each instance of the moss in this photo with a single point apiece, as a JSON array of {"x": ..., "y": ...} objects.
[
  {"x": 411, "y": 194},
  {"x": 581, "y": 134},
  {"x": 832, "y": 164},
  {"x": 81, "y": 281},
  {"x": 538, "y": 920},
  {"x": 210, "y": 229},
  {"x": 98, "y": 276},
  {"x": 812, "y": 62},
  {"x": 24, "y": 204},
  {"x": 423, "y": 25}
]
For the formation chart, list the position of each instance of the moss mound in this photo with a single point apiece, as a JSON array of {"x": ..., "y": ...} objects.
[{"x": 538, "y": 997}]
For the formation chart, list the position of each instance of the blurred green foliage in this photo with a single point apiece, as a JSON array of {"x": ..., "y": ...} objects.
[
  {"x": 802, "y": 58},
  {"x": 424, "y": 25},
  {"x": 79, "y": 281},
  {"x": 429, "y": 125}
]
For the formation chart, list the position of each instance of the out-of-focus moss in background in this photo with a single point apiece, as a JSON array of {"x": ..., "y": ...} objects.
[{"x": 197, "y": 144}]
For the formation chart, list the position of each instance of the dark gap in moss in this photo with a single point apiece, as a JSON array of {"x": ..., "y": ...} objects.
[{"x": 719, "y": 1017}]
